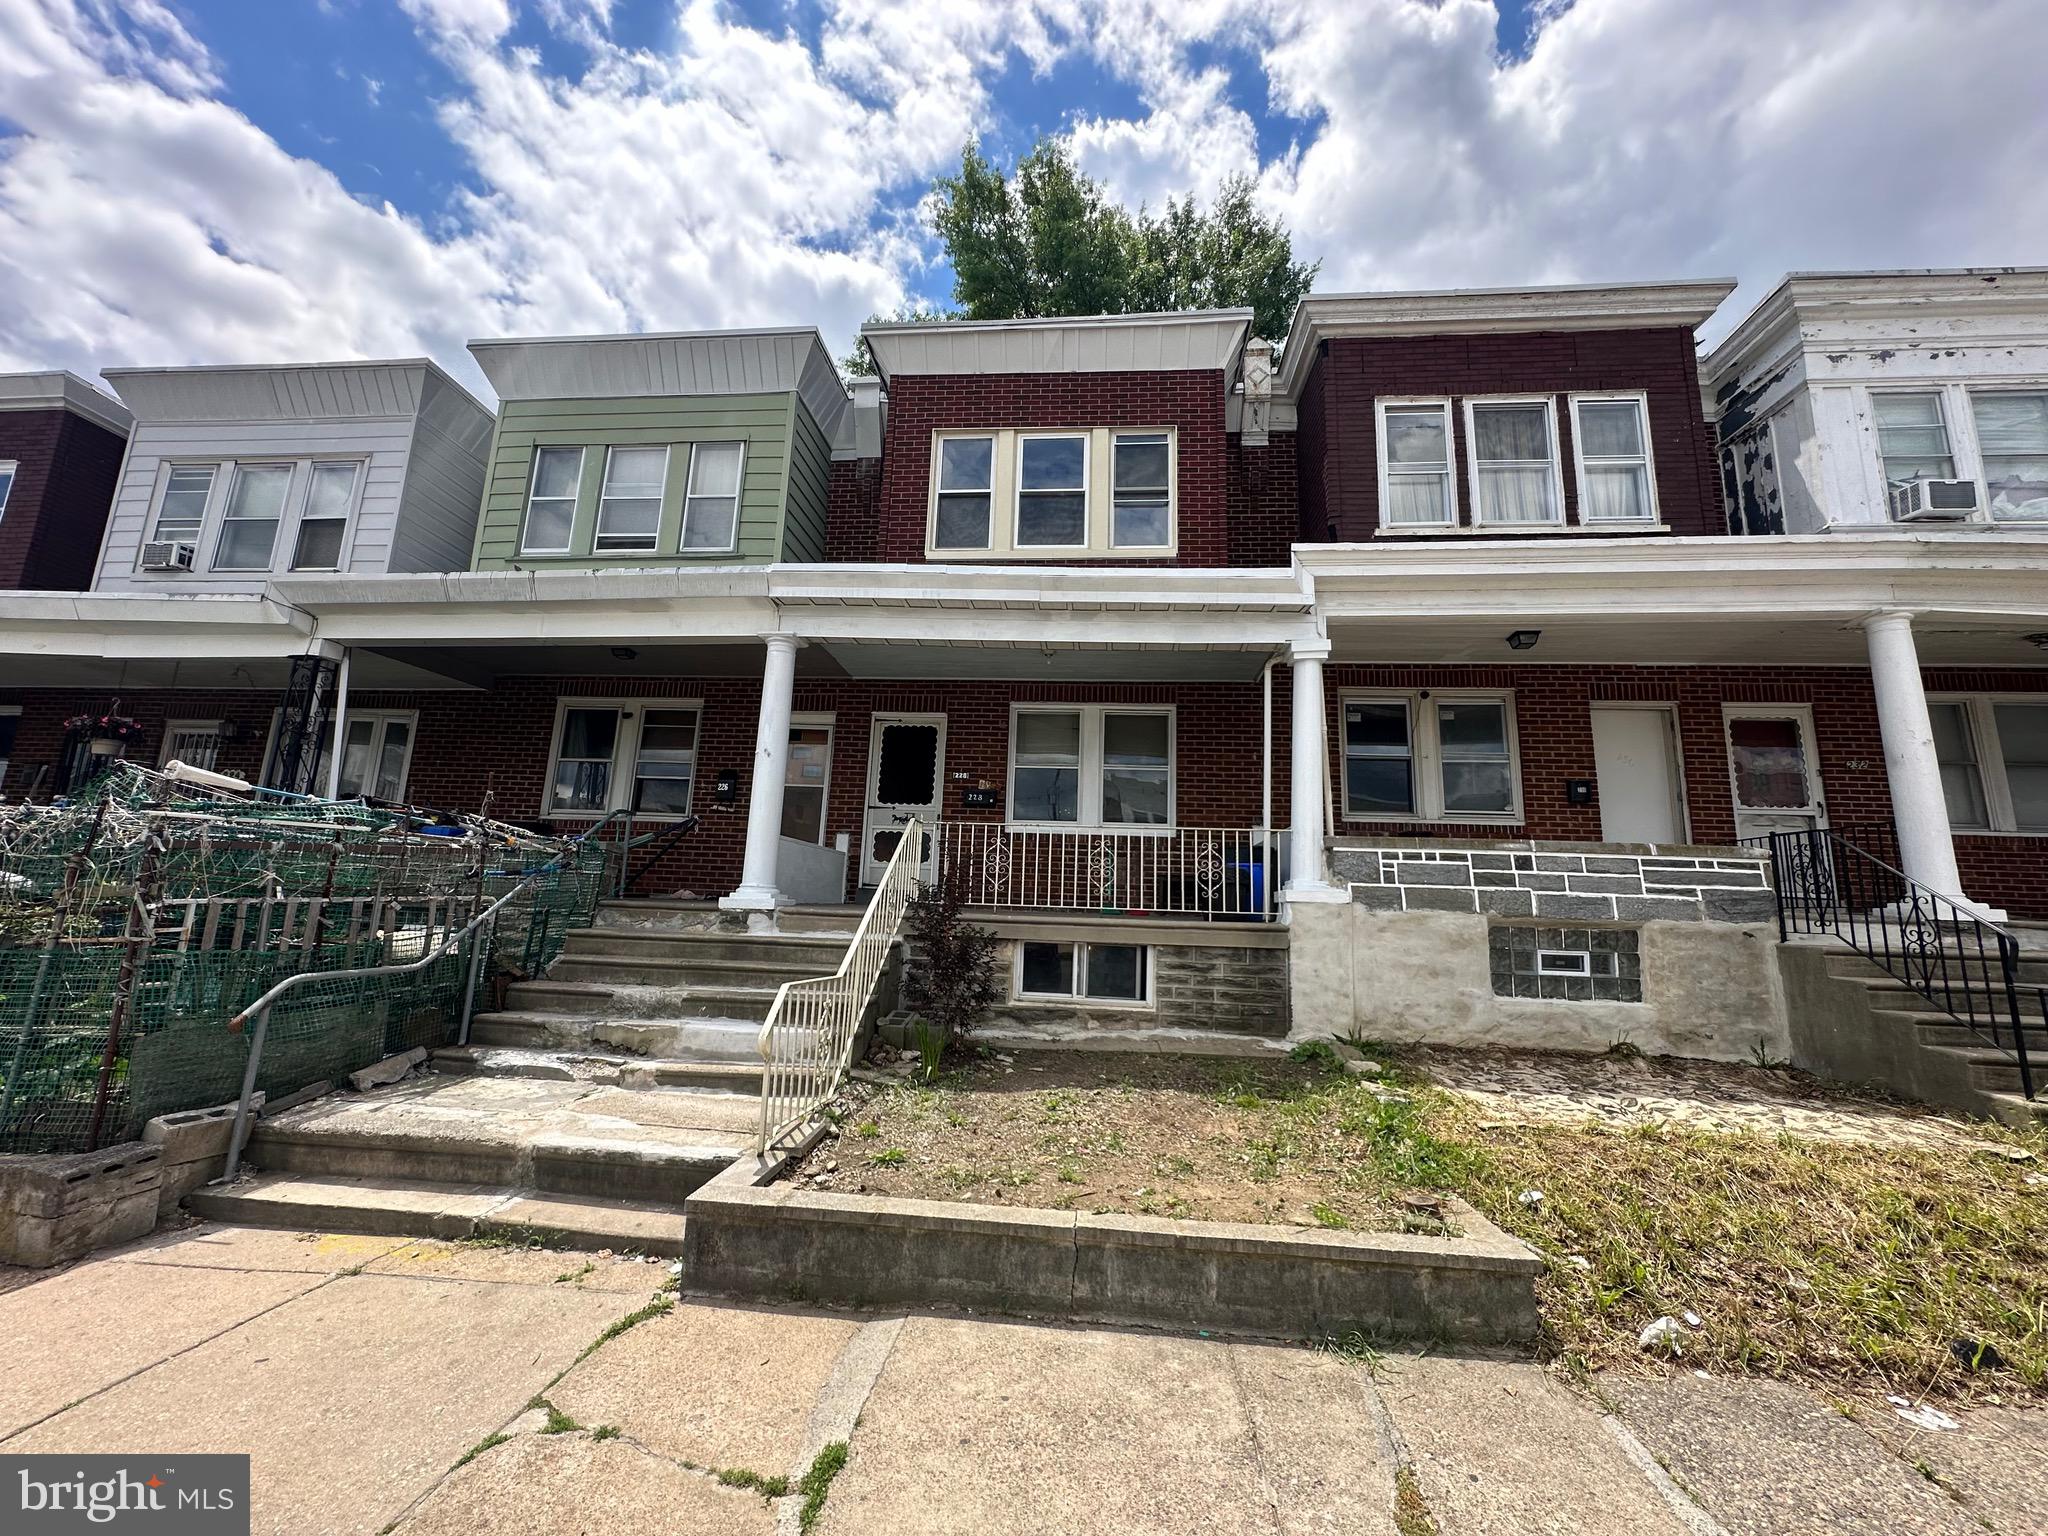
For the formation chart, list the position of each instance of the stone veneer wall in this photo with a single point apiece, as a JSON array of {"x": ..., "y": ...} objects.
[
  {"x": 1599, "y": 882},
  {"x": 1241, "y": 989}
]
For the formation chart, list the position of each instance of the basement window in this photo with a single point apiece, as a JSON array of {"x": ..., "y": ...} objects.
[{"x": 1095, "y": 973}]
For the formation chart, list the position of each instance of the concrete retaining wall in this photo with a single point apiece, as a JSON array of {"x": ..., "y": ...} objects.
[{"x": 779, "y": 1242}]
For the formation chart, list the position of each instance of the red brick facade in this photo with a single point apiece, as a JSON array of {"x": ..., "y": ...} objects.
[
  {"x": 1190, "y": 401},
  {"x": 1339, "y": 457},
  {"x": 56, "y": 513},
  {"x": 1261, "y": 501},
  {"x": 853, "y": 499},
  {"x": 1217, "y": 756}
]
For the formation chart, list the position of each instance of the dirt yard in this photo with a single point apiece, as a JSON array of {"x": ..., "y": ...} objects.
[{"x": 1810, "y": 1233}]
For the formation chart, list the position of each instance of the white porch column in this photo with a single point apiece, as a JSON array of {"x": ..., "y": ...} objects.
[
  {"x": 1310, "y": 750},
  {"x": 1919, "y": 808},
  {"x": 757, "y": 890},
  {"x": 338, "y": 732}
]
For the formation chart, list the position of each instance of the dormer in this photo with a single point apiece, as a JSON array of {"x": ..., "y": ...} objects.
[
  {"x": 706, "y": 447},
  {"x": 1501, "y": 412},
  {"x": 61, "y": 442},
  {"x": 238, "y": 474}
]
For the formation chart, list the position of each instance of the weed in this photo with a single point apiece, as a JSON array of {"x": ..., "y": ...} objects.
[
  {"x": 1625, "y": 1049},
  {"x": 1760, "y": 1055},
  {"x": 1353, "y": 1347},
  {"x": 1070, "y": 1174},
  {"x": 1316, "y": 1053},
  {"x": 890, "y": 1157},
  {"x": 931, "y": 1050},
  {"x": 504, "y": 1237},
  {"x": 571, "y": 1276},
  {"x": 1411, "y": 1510},
  {"x": 559, "y": 1423},
  {"x": 479, "y": 1448},
  {"x": 1329, "y": 1216},
  {"x": 768, "y": 1487},
  {"x": 817, "y": 1482},
  {"x": 605, "y": 1432},
  {"x": 867, "y": 1130},
  {"x": 661, "y": 1306}
]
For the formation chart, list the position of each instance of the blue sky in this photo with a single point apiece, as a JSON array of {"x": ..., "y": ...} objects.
[{"x": 244, "y": 180}]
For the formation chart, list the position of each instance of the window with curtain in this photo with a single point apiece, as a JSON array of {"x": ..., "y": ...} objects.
[
  {"x": 966, "y": 491},
  {"x": 1514, "y": 464},
  {"x": 551, "y": 503},
  {"x": 1052, "y": 491},
  {"x": 629, "y": 510},
  {"x": 1912, "y": 437},
  {"x": 1962, "y": 782},
  {"x": 2012, "y": 438},
  {"x": 325, "y": 520},
  {"x": 248, "y": 531},
  {"x": 1141, "y": 507},
  {"x": 1614, "y": 462},
  {"x": 711, "y": 509},
  {"x": 1415, "y": 450}
]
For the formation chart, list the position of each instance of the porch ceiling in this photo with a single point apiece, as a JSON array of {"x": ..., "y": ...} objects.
[{"x": 1637, "y": 639}]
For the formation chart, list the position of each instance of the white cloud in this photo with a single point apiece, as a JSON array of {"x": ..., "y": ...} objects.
[{"x": 744, "y": 175}]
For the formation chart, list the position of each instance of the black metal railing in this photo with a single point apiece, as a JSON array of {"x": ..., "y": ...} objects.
[{"x": 1967, "y": 967}]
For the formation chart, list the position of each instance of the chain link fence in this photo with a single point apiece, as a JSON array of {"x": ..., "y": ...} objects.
[{"x": 141, "y": 916}]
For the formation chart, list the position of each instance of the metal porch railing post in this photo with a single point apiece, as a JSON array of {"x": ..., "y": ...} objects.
[{"x": 240, "y": 1133}]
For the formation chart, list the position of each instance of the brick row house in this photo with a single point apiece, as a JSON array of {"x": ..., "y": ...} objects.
[{"x": 1421, "y": 676}]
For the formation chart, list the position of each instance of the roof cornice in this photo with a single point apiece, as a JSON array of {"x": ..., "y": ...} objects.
[
  {"x": 59, "y": 390},
  {"x": 1478, "y": 311},
  {"x": 1176, "y": 340}
]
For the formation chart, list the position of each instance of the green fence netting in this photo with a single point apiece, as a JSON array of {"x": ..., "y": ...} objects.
[{"x": 140, "y": 917}]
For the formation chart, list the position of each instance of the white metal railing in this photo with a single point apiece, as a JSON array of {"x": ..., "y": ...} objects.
[
  {"x": 1211, "y": 872},
  {"x": 807, "y": 1039}
]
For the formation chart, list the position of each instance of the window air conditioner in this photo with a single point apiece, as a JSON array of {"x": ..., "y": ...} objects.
[
  {"x": 1933, "y": 501},
  {"x": 164, "y": 556}
]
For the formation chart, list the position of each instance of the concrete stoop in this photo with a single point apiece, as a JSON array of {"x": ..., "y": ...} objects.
[{"x": 1852, "y": 1022}]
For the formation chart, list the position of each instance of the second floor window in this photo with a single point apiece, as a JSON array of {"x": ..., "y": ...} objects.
[
  {"x": 1094, "y": 494},
  {"x": 629, "y": 511},
  {"x": 330, "y": 493},
  {"x": 1613, "y": 445},
  {"x": 6, "y": 483},
  {"x": 183, "y": 509},
  {"x": 1514, "y": 462},
  {"x": 1912, "y": 438},
  {"x": 1141, "y": 471},
  {"x": 1416, "y": 460},
  {"x": 248, "y": 531},
  {"x": 711, "y": 508},
  {"x": 966, "y": 488},
  {"x": 551, "y": 504},
  {"x": 1052, "y": 492},
  {"x": 2012, "y": 436}
]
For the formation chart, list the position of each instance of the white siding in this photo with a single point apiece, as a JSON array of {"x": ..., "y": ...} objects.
[{"x": 444, "y": 483}]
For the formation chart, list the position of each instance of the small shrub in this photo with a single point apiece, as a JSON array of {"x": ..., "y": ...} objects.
[
  {"x": 931, "y": 1050},
  {"x": 951, "y": 978},
  {"x": 1319, "y": 1053}
]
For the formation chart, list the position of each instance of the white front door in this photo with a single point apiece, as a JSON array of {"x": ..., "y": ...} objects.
[
  {"x": 1774, "y": 769},
  {"x": 1635, "y": 761},
  {"x": 906, "y": 774}
]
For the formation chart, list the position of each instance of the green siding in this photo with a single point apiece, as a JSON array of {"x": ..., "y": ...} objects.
[
  {"x": 765, "y": 423},
  {"x": 810, "y": 473}
]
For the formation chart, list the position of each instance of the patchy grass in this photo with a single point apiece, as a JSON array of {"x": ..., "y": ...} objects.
[
  {"x": 489, "y": 1442},
  {"x": 817, "y": 1482},
  {"x": 768, "y": 1487},
  {"x": 1919, "y": 1268},
  {"x": 1411, "y": 1510},
  {"x": 559, "y": 1423}
]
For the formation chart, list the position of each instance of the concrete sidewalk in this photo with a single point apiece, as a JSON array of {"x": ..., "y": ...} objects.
[{"x": 358, "y": 1371}]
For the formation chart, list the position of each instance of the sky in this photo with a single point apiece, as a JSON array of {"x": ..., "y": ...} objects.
[{"x": 207, "y": 181}]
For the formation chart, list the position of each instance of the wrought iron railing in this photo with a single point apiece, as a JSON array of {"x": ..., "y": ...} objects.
[
  {"x": 1224, "y": 873},
  {"x": 1945, "y": 952},
  {"x": 806, "y": 1043}
]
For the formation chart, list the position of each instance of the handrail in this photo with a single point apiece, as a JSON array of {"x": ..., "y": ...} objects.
[
  {"x": 260, "y": 1009},
  {"x": 806, "y": 1042},
  {"x": 661, "y": 839},
  {"x": 1964, "y": 964}
]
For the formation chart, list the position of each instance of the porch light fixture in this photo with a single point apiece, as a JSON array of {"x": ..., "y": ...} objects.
[
  {"x": 1524, "y": 639},
  {"x": 623, "y": 653}
]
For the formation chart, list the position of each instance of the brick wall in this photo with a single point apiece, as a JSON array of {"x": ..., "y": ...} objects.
[
  {"x": 1189, "y": 400},
  {"x": 852, "y": 499},
  {"x": 1261, "y": 505},
  {"x": 57, "y": 510},
  {"x": 1339, "y": 462}
]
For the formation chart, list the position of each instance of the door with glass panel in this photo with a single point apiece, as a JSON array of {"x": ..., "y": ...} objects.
[
  {"x": 906, "y": 771},
  {"x": 1774, "y": 769},
  {"x": 376, "y": 752}
]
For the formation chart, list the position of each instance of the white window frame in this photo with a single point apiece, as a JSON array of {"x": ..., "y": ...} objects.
[
  {"x": 156, "y": 535},
  {"x": 1980, "y": 719},
  {"x": 1098, "y": 495},
  {"x": 291, "y": 516},
  {"x": 304, "y": 503},
  {"x": 1088, "y": 795},
  {"x": 173, "y": 729},
  {"x": 691, "y": 494},
  {"x": 1425, "y": 752},
  {"x": 1640, "y": 399},
  {"x": 1471, "y": 404},
  {"x": 995, "y": 497},
  {"x": 1443, "y": 405},
  {"x": 568, "y": 544},
  {"x": 604, "y": 496},
  {"x": 293, "y": 491},
  {"x": 11, "y": 470},
  {"x": 625, "y": 755},
  {"x": 1971, "y": 393},
  {"x": 1944, "y": 410},
  {"x": 323, "y": 761},
  {"x": 1079, "y": 997}
]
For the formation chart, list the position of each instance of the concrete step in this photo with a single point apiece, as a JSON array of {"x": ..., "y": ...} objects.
[
  {"x": 1941, "y": 1031},
  {"x": 821, "y": 919},
  {"x": 608, "y": 1069},
  {"x": 636, "y": 1001},
  {"x": 2031, "y": 971},
  {"x": 677, "y": 1039},
  {"x": 820, "y": 952},
  {"x": 659, "y": 915},
  {"x": 569, "y": 1138},
  {"x": 450, "y": 1211},
  {"x": 663, "y": 971}
]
